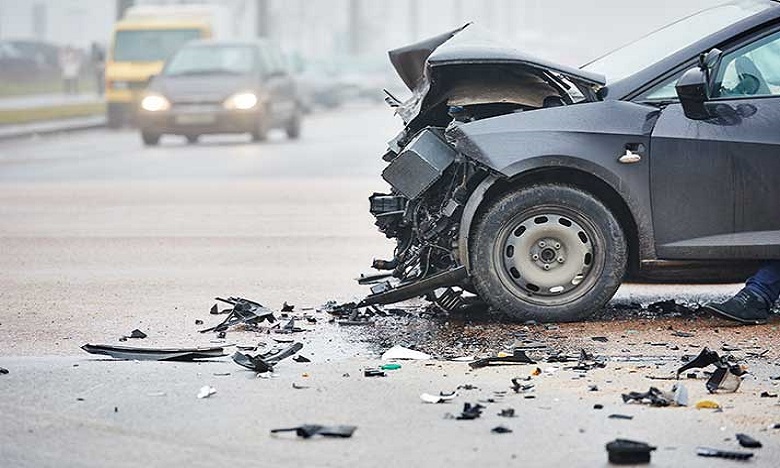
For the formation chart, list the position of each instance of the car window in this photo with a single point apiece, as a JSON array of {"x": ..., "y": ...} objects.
[
  {"x": 665, "y": 91},
  {"x": 751, "y": 70},
  {"x": 211, "y": 59}
]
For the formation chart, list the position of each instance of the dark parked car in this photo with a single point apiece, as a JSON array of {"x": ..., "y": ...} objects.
[
  {"x": 221, "y": 87},
  {"x": 541, "y": 187}
]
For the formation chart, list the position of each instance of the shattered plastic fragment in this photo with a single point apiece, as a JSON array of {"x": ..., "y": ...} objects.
[
  {"x": 287, "y": 307},
  {"x": 206, "y": 391},
  {"x": 620, "y": 416},
  {"x": 707, "y": 404},
  {"x": 601, "y": 339},
  {"x": 705, "y": 358},
  {"x": 136, "y": 334},
  {"x": 300, "y": 358},
  {"x": 748, "y": 442},
  {"x": 653, "y": 396},
  {"x": 680, "y": 395},
  {"x": 264, "y": 362},
  {"x": 372, "y": 372},
  {"x": 3, "y": 371},
  {"x": 440, "y": 398},
  {"x": 518, "y": 357},
  {"x": 308, "y": 430},
  {"x": 391, "y": 367},
  {"x": 725, "y": 380},
  {"x": 628, "y": 452},
  {"x": 711, "y": 452},
  {"x": 400, "y": 353},
  {"x": 768, "y": 395},
  {"x": 470, "y": 411},
  {"x": 507, "y": 413},
  {"x": 501, "y": 430},
  {"x": 154, "y": 354}
]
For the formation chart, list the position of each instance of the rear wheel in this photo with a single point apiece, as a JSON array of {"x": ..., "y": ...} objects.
[
  {"x": 549, "y": 253},
  {"x": 150, "y": 138}
]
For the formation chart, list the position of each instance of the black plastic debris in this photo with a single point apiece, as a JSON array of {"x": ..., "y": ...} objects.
[
  {"x": 600, "y": 339},
  {"x": 517, "y": 357},
  {"x": 768, "y": 395},
  {"x": 683, "y": 334},
  {"x": 728, "y": 455},
  {"x": 154, "y": 354},
  {"x": 309, "y": 430},
  {"x": 300, "y": 358},
  {"x": 221, "y": 335},
  {"x": 620, "y": 416},
  {"x": 501, "y": 430},
  {"x": 287, "y": 307},
  {"x": 290, "y": 327},
  {"x": 519, "y": 387},
  {"x": 727, "y": 376},
  {"x": 3, "y": 371},
  {"x": 373, "y": 372},
  {"x": 653, "y": 396},
  {"x": 507, "y": 413},
  {"x": 706, "y": 358},
  {"x": 598, "y": 406},
  {"x": 137, "y": 334},
  {"x": 470, "y": 411},
  {"x": 669, "y": 307},
  {"x": 748, "y": 442},
  {"x": 198, "y": 322},
  {"x": 299, "y": 387},
  {"x": 587, "y": 362},
  {"x": 264, "y": 362},
  {"x": 629, "y": 452},
  {"x": 244, "y": 311}
]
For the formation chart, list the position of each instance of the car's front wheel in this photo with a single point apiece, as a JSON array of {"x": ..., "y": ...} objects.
[
  {"x": 150, "y": 138},
  {"x": 549, "y": 253}
]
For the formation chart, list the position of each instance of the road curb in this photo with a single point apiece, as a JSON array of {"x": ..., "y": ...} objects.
[{"x": 51, "y": 127}]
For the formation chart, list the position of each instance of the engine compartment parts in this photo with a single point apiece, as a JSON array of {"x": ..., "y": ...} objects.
[
  {"x": 310, "y": 430},
  {"x": 628, "y": 452},
  {"x": 154, "y": 354},
  {"x": 421, "y": 163}
]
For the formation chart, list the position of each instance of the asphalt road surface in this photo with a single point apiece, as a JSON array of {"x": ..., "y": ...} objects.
[{"x": 99, "y": 236}]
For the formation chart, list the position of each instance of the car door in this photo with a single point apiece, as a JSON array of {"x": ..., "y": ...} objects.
[{"x": 716, "y": 183}]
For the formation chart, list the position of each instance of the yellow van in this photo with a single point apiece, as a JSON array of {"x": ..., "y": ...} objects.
[{"x": 142, "y": 40}]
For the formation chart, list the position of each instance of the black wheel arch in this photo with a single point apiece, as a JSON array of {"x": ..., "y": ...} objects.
[{"x": 636, "y": 224}]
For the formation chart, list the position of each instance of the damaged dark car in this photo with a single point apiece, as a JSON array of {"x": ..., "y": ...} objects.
[{"x": 540, "y": 188}]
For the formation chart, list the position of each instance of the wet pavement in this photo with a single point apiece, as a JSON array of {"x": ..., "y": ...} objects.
[{"x": 100, "y": 236}]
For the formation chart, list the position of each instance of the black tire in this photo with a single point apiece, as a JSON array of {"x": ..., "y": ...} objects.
[
  {"x": 260, "y": 132},
  {"x": 149, "y": 138},
  {"x": 581, "y": 276},
  {"x": 293, "y": 127},
  {"x": 192, "y": 139}
]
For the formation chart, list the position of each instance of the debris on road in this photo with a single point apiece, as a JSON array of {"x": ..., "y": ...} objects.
[
  {"x": 655, "y": 397},
  {"x": 748, "y": 442},
  {"x": 727, "y": 376},
  {"x": 309, "y": 430},
  {"x": 154, "y": 354},
  {"x": 501, "y": 430},
  {"x": 768, "y": 395},
  {"x": 287, "y": 307},
  {"x": 620, "y": 416},
  {"x": 300, "y": 358},
  {"x": 507, "y": 413},
  {"x": 244, "y": 312},
  {"x": 134, "y": 334},
  {"x": 265, "y": 362},
  {"x": 470, "y": 412},
  {"x": 440, "y": 398},
  {"x": 398, "y": 352},
  {"x": 517, "y": 357},
  {"x": 3, "y": 371},
  {"x": 206, "y": 391},
  {"x": 390, "y": 366},
  {"x": 373, "y": 372},
  {"x": 707, "y": 404},
  {"x": 729, "y": 455},
  {"x": 628, "y": 452}
]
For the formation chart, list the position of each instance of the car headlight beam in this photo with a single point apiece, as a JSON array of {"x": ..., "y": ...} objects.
[
  {"x": 155, "y": 103},
  {"x": 241, "y": 101}
]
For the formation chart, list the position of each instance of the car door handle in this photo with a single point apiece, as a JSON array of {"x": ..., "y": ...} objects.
[{"x": 633, "y": 154}]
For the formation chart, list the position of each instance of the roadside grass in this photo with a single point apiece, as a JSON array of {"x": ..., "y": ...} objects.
[{"x": 37, "y": 114}]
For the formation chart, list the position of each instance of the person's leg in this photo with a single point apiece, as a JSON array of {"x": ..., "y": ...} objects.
[{"x": 766, "y": 283}]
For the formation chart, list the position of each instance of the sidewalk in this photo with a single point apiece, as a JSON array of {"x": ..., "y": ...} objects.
[
  {"x": 22, "y": 116},
  {"x": 48, "y": 100}
]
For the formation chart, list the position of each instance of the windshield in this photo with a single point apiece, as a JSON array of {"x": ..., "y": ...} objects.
[
  {"x": 236, "y": 60},
  {"x": 658, "y": 45},
  {"x": 150, "y": 45}
]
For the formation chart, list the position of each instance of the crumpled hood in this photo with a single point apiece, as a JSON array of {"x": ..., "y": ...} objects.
[{"x": 468, "y": 45}]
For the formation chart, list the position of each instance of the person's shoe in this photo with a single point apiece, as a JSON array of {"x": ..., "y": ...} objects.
[{"x": 745, "y": 307}]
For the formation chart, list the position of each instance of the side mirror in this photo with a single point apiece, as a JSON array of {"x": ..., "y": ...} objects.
[{"x": 692, "y": 90}]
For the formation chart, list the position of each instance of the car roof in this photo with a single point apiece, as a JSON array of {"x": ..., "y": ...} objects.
[{"x": 627, "y": 87}]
